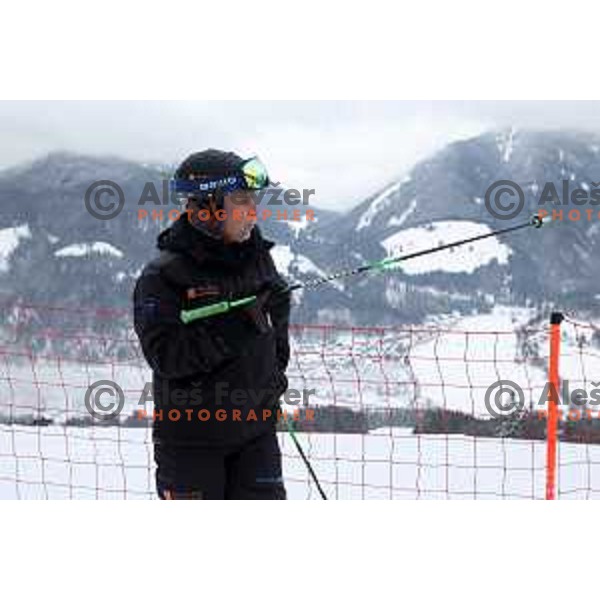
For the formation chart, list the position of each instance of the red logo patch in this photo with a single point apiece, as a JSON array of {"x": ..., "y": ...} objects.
[{"x": 201, "y": 292}]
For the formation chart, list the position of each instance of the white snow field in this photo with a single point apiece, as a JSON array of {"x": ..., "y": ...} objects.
[
  {"x": 465, "y": 259},
  {"x": 9, "y": 240},
  {"x": 116, "y": 463},
  {"x": 447, "y": 364}
]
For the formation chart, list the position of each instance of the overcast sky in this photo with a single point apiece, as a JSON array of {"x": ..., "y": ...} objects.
[{"x": 344, "y": 150}]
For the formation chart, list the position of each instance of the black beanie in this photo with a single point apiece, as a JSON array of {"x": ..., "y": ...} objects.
[{"x": 209, "y": 163}]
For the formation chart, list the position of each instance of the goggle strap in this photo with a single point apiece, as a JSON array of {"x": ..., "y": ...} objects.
[{"x": 205, "y": 185}]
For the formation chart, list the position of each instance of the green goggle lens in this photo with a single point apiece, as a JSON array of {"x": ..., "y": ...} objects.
[{"x": 255, "y": 174}]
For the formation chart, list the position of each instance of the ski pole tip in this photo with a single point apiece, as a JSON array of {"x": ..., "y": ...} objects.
[{"x": 537, "y": 221}]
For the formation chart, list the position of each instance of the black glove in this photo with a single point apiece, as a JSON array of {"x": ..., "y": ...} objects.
[{"x": 257, "y": 314}]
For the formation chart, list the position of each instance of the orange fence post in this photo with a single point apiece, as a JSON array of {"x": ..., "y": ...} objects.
[{"x": 553, "y": 400}]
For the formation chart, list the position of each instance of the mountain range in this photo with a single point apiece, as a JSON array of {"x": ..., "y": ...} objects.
[{"x": 54, "y": 253}]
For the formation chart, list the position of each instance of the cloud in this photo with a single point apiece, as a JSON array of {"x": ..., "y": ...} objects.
[{"x": 344, "y": 150}]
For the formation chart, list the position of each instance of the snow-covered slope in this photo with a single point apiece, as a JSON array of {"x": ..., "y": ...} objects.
[
  {"x": 442, "y": 199},
  {"x": 463, "y": 259},
  {"x": 88, "y": 249},
  {"x": 9, "y": 240}
]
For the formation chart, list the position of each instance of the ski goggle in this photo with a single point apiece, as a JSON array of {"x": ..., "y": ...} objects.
[
  {"x": 252, "y": 175},
  {"x": 255, "y": 174}
]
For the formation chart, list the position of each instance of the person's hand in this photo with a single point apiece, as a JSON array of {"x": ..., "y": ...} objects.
[{"x": 257, "y": 313}]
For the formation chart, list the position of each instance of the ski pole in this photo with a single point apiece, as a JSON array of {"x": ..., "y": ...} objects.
[
  {"x": 292, "y": 433},
  {"x": 187, "y": 316}
]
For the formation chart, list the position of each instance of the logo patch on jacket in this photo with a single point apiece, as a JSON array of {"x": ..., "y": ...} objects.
[{"x": 195, "y": 293}]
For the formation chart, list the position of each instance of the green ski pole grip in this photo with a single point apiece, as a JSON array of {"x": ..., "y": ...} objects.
[
  {"x": 242, "y": 301},
  {"x": 187, "y": 316}
]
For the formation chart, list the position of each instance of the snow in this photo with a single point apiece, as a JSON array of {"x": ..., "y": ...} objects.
[
  {"x": 378, "y": 203},
  {"x": 55, "y": 387},
  {"x": 395, "y": 293},
  {"x": 9, "y": 240},
  {"x": 399, "y": 221},
  {"x": 444, "y": 366},
  {"x": 89, "y": 248},
  {"x": 307, "y": 266},
  {"x": 117, "y": 463},
  {"x": 283, "y": 257},
  {"x": 505, "y": 144},
  {"x": 449, "y": 364},
  {"x": 535, "y": 188},
  {"x": 286, "y": 260},
  {"x": 464, "y": 259},
  {"x": 121, "y": 276},
  {"x": 454, "y": 370},
  {"x": 436, "y": 364},
  {"x": 298, "y": 225}
]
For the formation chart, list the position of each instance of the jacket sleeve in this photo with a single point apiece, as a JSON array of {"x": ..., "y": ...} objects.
[
  {"x": 279, "y": 305},
  {"x": 173, "y": 349}
]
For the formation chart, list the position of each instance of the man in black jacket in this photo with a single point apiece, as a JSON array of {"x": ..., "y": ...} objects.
[{"x": 216, "y": 380}]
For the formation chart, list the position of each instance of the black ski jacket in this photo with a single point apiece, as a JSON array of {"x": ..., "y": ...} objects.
[{"x": 234, "y": 361}]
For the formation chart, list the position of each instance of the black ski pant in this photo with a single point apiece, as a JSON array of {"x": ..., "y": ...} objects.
[{"x": 249, "y": 471}]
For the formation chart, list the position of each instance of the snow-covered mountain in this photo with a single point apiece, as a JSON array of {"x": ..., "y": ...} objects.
[
  {"x": 52, "y": 252},
  {"x": 442, "y": 200}
]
